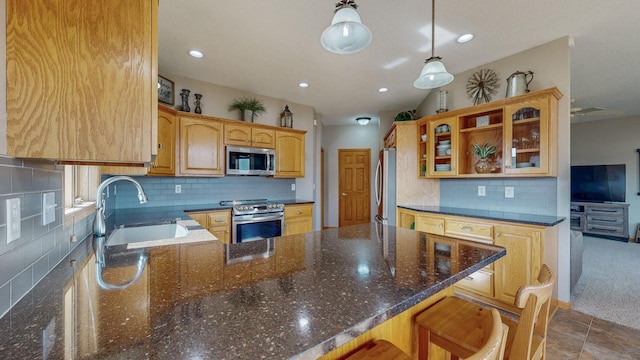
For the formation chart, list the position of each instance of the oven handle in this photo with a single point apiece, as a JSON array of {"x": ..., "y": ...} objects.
[{"x": 247, "y": 219}]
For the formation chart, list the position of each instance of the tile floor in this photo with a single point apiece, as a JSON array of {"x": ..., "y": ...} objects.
[{"x": 574, "y": 335}]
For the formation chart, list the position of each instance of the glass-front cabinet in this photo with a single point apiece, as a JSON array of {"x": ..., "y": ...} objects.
[
  {"x": 520, "y": 133},
  {"x": 443, "y": 146},
  {"x": 527, "y": 137}
]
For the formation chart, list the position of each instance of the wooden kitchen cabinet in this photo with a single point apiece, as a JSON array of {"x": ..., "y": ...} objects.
[
  {"x": 165, "y": 162},
  {"x": 298, "y": 219},
  {"x": 249, "y": 135},
  {"x": 521, "y": 264},
  {"x": 497, "y": 283},
  {"x": 522, "y": 128},
  {"x": 289, "y": 153},
  {"x": 82, "y": 80},
  {"x": 201, "y": 146},
  {"x": 217, "y": 222}
]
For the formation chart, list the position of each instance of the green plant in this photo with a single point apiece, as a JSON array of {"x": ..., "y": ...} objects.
[
  {"x": 484, "y": 151},
  {"x": 248, "y": 104},
  {"x": 407, "y": 115}
]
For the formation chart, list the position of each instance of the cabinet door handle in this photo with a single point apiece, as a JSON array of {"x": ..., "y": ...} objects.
[
  {"x": 440, "y": 225},
  {"x": 160, "y": 146},
  {"x": 466, "y": 228},
  {"x": 298, "y": 212},
  {"x": 344, "y": 194},
  {"x": 498, "y": 234},
  {"x": 470, "y": 278}
]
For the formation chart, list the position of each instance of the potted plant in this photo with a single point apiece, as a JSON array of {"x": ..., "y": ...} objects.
[
  {"x": 248, "y": 104},
  {"x": 423, "y": 169},
  {"x": 483, "y": 152},
  {"x": 407, "y": 115}
]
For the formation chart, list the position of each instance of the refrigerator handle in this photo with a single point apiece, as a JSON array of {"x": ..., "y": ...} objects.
[{"x": 378, "y": 178}]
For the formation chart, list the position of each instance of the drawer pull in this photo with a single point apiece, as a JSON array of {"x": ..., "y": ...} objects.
[
  {"x": 498, "y": 234},
  {"x": 605, "y": 220},
  {"x": 466, "y": 228},
  {"x": 298, "y": 212},
  {"x": 219, "y": 220},
  {"x": 470, "y": 278},
  {"x": 604, "y": 210}
]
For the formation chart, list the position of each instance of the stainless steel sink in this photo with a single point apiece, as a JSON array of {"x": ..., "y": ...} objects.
[{"x": 127, "y": 235}]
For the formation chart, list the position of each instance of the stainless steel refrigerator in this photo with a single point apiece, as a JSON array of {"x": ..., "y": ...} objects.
[{"x": 385, "y": 187}]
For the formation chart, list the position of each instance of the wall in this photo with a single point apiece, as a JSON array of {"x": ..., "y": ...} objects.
[
  {"x": 347, "y": 137},
  {"x": 195, "y": 190},
  {"x": 25, "y": 261},
  {"x": 611, "y": 142},
  {"x": 551, "y": 67},
  {"x": 215, "y": 102}
]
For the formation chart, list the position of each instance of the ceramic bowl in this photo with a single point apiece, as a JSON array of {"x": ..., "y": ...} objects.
[
  {"x": 423, "y": 137},
  {"x": 445, "y": 142}
]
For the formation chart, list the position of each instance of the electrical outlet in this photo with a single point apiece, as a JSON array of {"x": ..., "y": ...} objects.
[
  {"x": 482, "y": 191},
  {"x": 293, "y": 187},
  {"x": 178, "y": 189},
  {"x": 508, "y": 192}
]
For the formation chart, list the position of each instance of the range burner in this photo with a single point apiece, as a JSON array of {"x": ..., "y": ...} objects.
[{"x": 255, "y": 206}]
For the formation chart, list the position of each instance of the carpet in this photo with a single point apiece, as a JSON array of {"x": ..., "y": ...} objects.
[{"x": 609, "y": 287}]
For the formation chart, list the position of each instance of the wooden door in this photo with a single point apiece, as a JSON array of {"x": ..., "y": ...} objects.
[
  {"x": 201, "y": 147},
  {"x": 354, "y": 186},
  {"x": 165, "y": 162}
]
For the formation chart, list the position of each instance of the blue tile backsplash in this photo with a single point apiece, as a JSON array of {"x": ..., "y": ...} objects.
[
  {"x": 531, "y": 196},
  {"x": 161, "y": 190},
  {"x": 25, "y": 261}
]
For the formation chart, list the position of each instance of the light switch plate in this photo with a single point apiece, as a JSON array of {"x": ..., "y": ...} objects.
[
  {"x": 48, "y": 208},
  {"x": 13, "y": 219}
]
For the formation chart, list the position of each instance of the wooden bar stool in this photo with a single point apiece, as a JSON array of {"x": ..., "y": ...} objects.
[
  {"x": 455, "y": 324},
  {"x": 381, "y": 350}
]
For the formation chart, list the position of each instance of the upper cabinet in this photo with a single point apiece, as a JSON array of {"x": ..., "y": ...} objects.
[
  {"x": 165, "y": 162},
  {"x": 522, "y": 129},
  {"x": 201, "y": 146},
  {"x": 289, "y": 153},
  {"x": 82, "y": 80},
  {"x": 248, "y": 135}
]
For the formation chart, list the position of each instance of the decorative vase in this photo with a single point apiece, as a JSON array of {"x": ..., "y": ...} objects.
[
  {"x": 198, "y": 110},
  {"x": 483, "y": 166},
  {"x": 184, "y": 95}
]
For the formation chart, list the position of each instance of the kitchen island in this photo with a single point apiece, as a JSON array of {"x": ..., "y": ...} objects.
[{"x": 300, "y": 296}]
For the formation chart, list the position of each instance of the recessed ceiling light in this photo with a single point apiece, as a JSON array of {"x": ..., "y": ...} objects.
[
  {"x": 196, "y": 54},
  {"x": 383, "y": 89},
  {"x": 303, "y": 85},
  {"x": 464, "y": 38}
]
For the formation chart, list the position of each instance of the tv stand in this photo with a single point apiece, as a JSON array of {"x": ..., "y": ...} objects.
[{"x": 610, "y": 220}]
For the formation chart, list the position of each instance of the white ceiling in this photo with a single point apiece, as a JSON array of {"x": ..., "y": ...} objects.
[{"x": 268, "y": 47}]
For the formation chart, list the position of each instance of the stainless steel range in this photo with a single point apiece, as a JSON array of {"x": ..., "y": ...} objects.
[{"x": 255, "y": 219}]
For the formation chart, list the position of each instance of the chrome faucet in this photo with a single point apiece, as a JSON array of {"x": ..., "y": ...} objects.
[{"x": 99, "y": 226}]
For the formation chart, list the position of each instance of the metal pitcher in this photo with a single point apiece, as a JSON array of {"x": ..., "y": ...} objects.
[{"x": 518, "y": 83}]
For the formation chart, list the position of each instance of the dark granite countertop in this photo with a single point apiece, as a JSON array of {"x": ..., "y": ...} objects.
[
  {"x": 530, "y": 219},
  {"x": 296, "y": 296}
]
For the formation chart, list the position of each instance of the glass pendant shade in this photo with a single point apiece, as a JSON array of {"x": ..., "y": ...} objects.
[
  {"x": 433, "y": 75},
  {"x": 346, "y": 34}
]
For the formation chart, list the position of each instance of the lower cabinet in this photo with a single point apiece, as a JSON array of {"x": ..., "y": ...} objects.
[
  {"x": 217, "y": 222},
  {"x": 298, "y": 219},
  {"x": 498, "y": 282}
]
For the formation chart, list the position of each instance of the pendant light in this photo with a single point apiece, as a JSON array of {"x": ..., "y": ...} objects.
[
  {"x": 346, "y": 34},
  {"x": 433, "y": 74}
]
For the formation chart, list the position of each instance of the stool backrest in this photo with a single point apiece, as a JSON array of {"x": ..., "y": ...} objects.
[
  {"x": 530, "y": 338},
  {"x": 493, "y": 349}
]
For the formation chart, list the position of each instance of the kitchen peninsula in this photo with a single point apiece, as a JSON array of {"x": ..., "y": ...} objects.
[{"x": 299, "y": 296}]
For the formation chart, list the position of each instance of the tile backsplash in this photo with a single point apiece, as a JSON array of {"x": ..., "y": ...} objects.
[
  {"x": 161, "y": 191},
  {"x": 25, "y": 261},
  {"x": 531, "y": 196}
]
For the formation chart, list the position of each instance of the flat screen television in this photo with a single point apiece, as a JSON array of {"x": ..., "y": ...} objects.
[{"x": 598, "y": 183}]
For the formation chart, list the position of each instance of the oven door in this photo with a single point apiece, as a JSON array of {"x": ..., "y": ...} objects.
[{"x": 256, "y": 226}]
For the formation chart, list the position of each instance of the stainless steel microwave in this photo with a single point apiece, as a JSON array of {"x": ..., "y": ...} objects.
[{"x": 250, "y": 161}]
